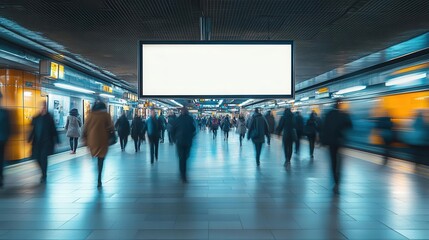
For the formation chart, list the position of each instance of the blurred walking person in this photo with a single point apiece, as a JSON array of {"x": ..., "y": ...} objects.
[
  {"x": 162, "y": 126},
  {"x": 271, "y": 123},
  {"x": 226, "y": 126},
  {"x": 43, "y": 137},
  {"x": 420, "y": 139},
  {"x": 5, "y": 130},
  {"x": 299, "y": 127},
  {"x": 310, "y": 129},
  {"x": 153, "y": 133},
  {"x": 136, "y": 129},
  {"x": 73, "y": 125},
  {"x": 257, "y": 131},
  {"x": 96, "y": 134},
  {"x": 333, "y": 134},
  {"x": 183, "y": 132},
  {"x": 170, "y": 122},
  {"x": 123, "y": 127},
  {"x": 287, "y": 125},
  {"x": 385, "y": 126},
  {"x": 241, "y": 128},
  {"x": 214, "y": 126}
]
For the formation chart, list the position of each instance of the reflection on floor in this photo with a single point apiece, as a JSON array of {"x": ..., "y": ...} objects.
[{"x": 227, "y": 197}]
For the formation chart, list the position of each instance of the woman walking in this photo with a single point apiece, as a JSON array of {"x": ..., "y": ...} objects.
[
  {"x": 96, "y": 134},
  {"x": 73, "y": 129},
  {"x": 241, "y": 128},
  {"x": 136, "y": 129}
]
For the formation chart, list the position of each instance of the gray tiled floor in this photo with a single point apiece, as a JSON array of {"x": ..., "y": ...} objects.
[{"x": 227, "y": 197}]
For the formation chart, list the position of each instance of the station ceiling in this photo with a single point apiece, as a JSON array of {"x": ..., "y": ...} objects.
[{"x": 327, "y": 33}]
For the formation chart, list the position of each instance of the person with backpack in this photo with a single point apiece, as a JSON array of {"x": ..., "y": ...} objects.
[
  {"x": 73, "y": 129},
  {"x": 214, "y": 126},
  {"x": 241, "y": 128},
  {"x": 257, "y": 131},
  {"x": 226, "y": 126}
]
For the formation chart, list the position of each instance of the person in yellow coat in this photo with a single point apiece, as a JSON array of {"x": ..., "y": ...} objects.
[{"x": 96, "y": 133}]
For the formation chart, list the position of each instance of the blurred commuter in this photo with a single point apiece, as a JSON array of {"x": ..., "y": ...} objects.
[
  {"x": 43, "y": 137},
  {"x": 299, "y": 127},
  {"x": 96, "y": 134},
  {"x": 333, "y": 134},
  {"x": 5, "y": 130},
  {"x": 214, "y": 126},
  {"x": 162, "y": 125},
  {"x": 384, "y": 125},
  {"x": 143, "y": 131},
  {"x": 136, "y": 129},
  {"x": 123, "y": 127},
  {"x": 153, "y": 133},
  {"x": 183, "y": 132},
  {"x": 287, "y": 126},
  {"x": 420, "y": 136},
  {"x": 311, "y": 128},
  {"x": 271, "y": 124},
  {"x": 73, "y": 125},
  {"x": 203, "y": 123},
  {"x": 257, "y": 131},
  {"x": 170, "y": 122},
  {"x": 241, "y": 128},
  {"x": 226, "y": 126}
]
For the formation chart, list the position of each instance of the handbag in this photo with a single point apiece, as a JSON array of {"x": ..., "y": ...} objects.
[{"x": 113, "y": 139}]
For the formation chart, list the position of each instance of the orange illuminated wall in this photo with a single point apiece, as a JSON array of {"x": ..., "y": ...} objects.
[{"x": 21, "y": 96}]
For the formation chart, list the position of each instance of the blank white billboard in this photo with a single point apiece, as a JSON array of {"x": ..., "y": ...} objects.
[{"x": 229, "y": 70}]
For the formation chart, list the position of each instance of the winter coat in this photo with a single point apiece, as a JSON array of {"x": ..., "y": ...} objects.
[
  {"x": 226, "y": 125},
  {"x": 299, "y": 123},
  {"x": 162, "y": 122},
  {"x": 73, "y": 126},
  {"x": 96, "y": 132},
  {"x": 43, "y": 136},
  {"x": 153, "y": 127},
  {"x": 258, "y": 128},
  {"x": 335, "y": 124},
  {"x": 271, "y": 122},
  {"x": 287, "y": 126},
  {"x": 183, "y": 130},
  {"x": 136, "y": 127},
  {"x": 241, "y": 126},
  {"x": 5, "y": 125},
  {"x": 123, "y": 126},
  {"x": 311, "y": 127},
  {"x": 171, "y": 119}
]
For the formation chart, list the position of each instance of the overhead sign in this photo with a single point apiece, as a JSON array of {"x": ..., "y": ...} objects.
[
  {"x": 51, "y": 69},
  {"x": 54, "y": 70},
  {"x": 107, "y": 89},
  {"x": 247, "y": 69}
]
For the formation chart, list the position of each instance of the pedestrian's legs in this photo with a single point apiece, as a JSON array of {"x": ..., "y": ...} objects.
[
  {"x": 2, "y": 152},
  {"x": 258, "y": 148},
  {"x": 170, "y": 140},
  {"x": 71, "y": 144},
  {"x": 297, "y": 143},
  {"x": 156, "y": 148},
  {"x": 311, "y": 141},
  {"x": 75, "y": 141},
  {"x": 335, "y": 162},
  {"x": 121, "y": 141},
  {"x": 136, "y": 144},
  {"x": 241, "y": 139},
  {"x": 100, "y": 170},
  {"x": 43, "y": 163},
  {"x": 183, "y": 152},
  {"x": 125, "y": 142},
  {"x": 162, "y": 136},
  {"x": 152, "y": 149}
]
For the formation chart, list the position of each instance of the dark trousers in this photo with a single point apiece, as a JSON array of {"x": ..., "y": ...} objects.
[
  {"x": 335, "y": 162},
  {"x": 226, "y": 134},
  {"x": 162, "y": 135},
  {"x": 100, "y": 168},
  {"x": 137, "y": 143},
  {"x": 183, "y": 152},
  {"x": 73, "y": 144},
  {"x": 258, "y": 149},
  {"x": 214, "y": 133},
  {"x": 298, "y": 141},
  {"x": 170, "y": 138},
  {"x": 287, "y": 148},
  {"x": 123, "y": 141},
  {"x": 311, "y": 141},
  {"x": 153, "y": 146},
  {"x": 241, "y": 139},
  {"x": 2, "y": 152},
  {"x": 42, "y": 160}
]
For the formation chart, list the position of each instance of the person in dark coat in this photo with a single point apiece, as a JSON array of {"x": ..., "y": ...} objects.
[
  {"x": 162, "y": 125},
  {"x": 226, "y": 126},
  {"x": 43, "y": 137},
  {"x": 333, "y": 134},
  {"x": 153, "y": 133},
  {"x": 183, "y": 132},
  {"x": 271, "y": 123},
  {"x": 5, "y": 127},
  {"x": 123, "y": 127},
  {"x": 214, "y": 126},
  {"x": 311, "y": 129},
  {"x": 384, "y": 125},
  {"x": 136, "y": 129},
  {"x": 287, "y": 125},
  {"x": 258, "y": 129},
  {"x": 241, "y": 128},
  {"x": 170, "y": 122},
  {"x": 299, "y": 127}
]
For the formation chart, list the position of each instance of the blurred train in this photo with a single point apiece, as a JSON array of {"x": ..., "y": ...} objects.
[{"x": 402, "y": 102}]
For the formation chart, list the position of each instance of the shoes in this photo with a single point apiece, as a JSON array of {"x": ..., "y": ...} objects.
[
  {"x": 336, "y": 189},
  {"x": 43, "y": 180},
  {"x": 258, "y": 163},
  {"x": 99, "y": 185},
  {"x": 287, "y": 163}
]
